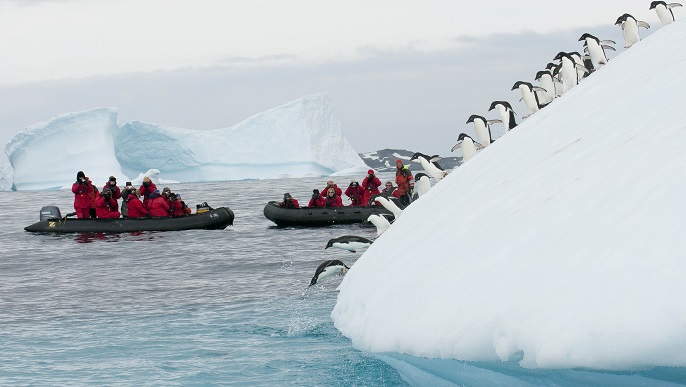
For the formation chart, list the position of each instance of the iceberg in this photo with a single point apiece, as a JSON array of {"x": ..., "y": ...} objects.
[
  {"x": 300, "y": 138},
  {"x": 553, "y": 257}
]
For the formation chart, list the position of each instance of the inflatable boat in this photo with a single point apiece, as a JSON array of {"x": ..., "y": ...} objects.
[
  {"x": 52, "y": 222},
  {"x": 317, "y": 217}
]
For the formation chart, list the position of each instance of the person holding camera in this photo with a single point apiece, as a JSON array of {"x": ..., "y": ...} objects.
[
  {"x": 317, "y": 200},
  {"x": 146, "y": 189},
  {"x": 355, "y": 193},
  {"x": 125, "y": 198},
  {"x": 179, "y": 207},
  {"x": 331, "y": 184},
  {"x": 371, "y": 185},
  {"x": 289, "y": 201},
  {"x": 112, "y": 186},
  {"x": 134, "y": 205},
  {"x": 157, "y": 205},
  {"x": 106, "y": 206},
  {"x": 82, "y": 189}
]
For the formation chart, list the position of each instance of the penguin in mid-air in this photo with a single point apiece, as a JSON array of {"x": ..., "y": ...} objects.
[
  {"x": 507, "y": 115},
  {"x": 468, "y": 145},
  {"x": 629, "y": 26},
  {"x": 422, "y": 184},
  {"x": 596, "y": 49},
  {"x": 389, "y": 203},
  {"x": 381, "y": 222},
  {"x": 430, "y": 165},
  {"x": 329, "y": 268},
  {"x": 482, "y": 126},
  {"x": 664, "y": 11},
  {"x": 351, "y": 243},
  {"x": 529, "y": 96}
]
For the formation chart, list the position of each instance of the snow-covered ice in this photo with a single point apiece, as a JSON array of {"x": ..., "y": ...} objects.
[
  {"x": 300, "y": 138},
  {"x": 553, "y": 256}
]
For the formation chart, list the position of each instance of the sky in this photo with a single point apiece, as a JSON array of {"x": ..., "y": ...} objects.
[
  {"x": 401, "y": 74},
  {"x": 553, "y": 257}
]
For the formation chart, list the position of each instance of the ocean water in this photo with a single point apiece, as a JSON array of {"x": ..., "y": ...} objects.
[{"x": 229, "y": 307}]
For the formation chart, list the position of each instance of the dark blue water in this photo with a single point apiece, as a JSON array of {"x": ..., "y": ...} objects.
[{"x": 226, "y": 307}]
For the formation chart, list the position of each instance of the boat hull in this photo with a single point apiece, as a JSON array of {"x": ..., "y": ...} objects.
[
  {"x": 216, "y": 219},
  {"x": 320, "y": 217}
]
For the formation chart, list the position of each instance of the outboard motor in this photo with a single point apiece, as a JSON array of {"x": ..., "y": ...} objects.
[{"x": 50, "y": 212}]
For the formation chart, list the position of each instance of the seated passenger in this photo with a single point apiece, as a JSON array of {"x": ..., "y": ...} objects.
[
  {"x": 157, "y": 205},
  {"x": 289, "y": 202},
  {"x": 105, "y": 206},
  {"x": 134, "y": 204},
  {"x": 371, "y": 184},
  {"x": 317, "y": 200},
  {"x": 166, "y": 194},
  {"x": 179, "y": 207},
  {"x": 112, "y": 186},
  {"x": 331, "y": 199},
  {"x": 331, "y": 184},
  {"x": 355, "y": 193},
  {"x": 390, "y": 190},
  {"x": 146, "y": 189}
]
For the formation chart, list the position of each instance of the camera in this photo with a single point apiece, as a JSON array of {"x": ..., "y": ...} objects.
[{"x": 146, "y": 184}]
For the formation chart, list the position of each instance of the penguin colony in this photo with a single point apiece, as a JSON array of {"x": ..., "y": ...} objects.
[
  {"x": 558, "y": 77},
  {"x": 565, "y": 71}
]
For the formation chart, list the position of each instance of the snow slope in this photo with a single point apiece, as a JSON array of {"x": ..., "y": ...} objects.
[{"x": 562, "y": 247}]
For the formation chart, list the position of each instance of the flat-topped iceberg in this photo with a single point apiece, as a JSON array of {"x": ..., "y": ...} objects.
[{"x": 300, "y": 138}]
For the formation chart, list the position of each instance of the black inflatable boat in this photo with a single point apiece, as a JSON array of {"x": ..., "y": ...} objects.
[
  {"x": 52, "y": 222},
  {"x": 317, "y": 217}
]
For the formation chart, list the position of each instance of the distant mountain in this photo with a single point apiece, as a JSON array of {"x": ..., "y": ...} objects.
[{"x": 384, "y": 160}]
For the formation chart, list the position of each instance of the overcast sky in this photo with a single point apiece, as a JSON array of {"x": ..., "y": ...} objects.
[{"x": 401, "y": 73}]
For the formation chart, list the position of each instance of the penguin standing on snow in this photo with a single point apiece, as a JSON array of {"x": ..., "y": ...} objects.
[
  {"x": 554, "y": 70},
  {"x": 529, "y": 96},
  {"x": 482, "y": 128},
  {"x": 545, "y": 79},
  {"x": 568, "y": 70},
  {"x": 630, "y": 29},
  {"x": 422, "y": 185},
  {"x": 664, "y": 11},
  {"x": 351, "y": 243},
  {"x": 329, "y": 268},
  {"x": 507, "y": 115},
  {"x": 430, "y": 165},
  {"x": 596, "y": 49},
  {"x": 468, "y": 146}
]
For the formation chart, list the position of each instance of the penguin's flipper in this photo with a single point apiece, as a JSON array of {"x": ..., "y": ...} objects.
[
  {"x": 496, "y": 121},
  {"x": 455, "y": 146},
  {"x": 478, "y": 145},
  {"x": 352, "y": 251},
  {"x": 538, "y": 88},
  {"x": 608, "y": 47},
  {"x": 581, "y": 67},
  {"x": 643, "y": 24},
  {"x": 607, "y": 42},
  {"x": 673, "y": 5}
]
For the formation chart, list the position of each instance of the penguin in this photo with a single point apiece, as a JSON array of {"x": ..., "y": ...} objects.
[
  {"x": 581, "y": 70},
  {"x": 329, "y": 268},
  {"x": 629, "y": 27},
  {"x": 529, "y": 96},
  {"x": 382, "y": 224},
  {"x": 507, "y": 115},
  {"x": 482, "y": 128},
  {"x": 664, "y": 11},
  {"x": 568, "y": 70},
  {"x": 351, "y": 243},
  {"x": 422, "y": 185},
  {"x": 596, "y": 49},
  {"x": 545, "y": 80},
  {"x": 388, "y": 203},
  {"x": 468, "y": 145},
  {"x": 554, "y": 70},
  {"x": 430, "y": 165}
]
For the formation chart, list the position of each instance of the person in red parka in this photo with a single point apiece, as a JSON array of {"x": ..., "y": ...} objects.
[
  {"x": 405, "y": 181},
  {"x": 157, "y": 205},
  {"x": 331, "y": 199},
  {"x": 317, "y": 200},
  {"x": 355, "y": 193},
  {"x": 112, "y": 186},
  {"x": 390, "y": 190},
  {"x": 105, "y": 206},
  {"x": 289, "y": 201},
  {"x": 179, "y": 208},
  {"x": 82, "y": 190},
  {"x": 135, "y": 205},
  {"x": 371, "y": 185},
  {"x": 146, "y": 189},
  {"x": 331, "y": 184}
]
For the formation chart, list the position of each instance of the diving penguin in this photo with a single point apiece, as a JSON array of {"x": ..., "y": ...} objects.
[
  {"x": 351, "y": 243},
  {"x": 329, "y": 268},
  {"x": 430, "y": 165}
]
